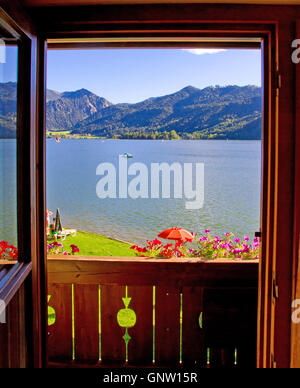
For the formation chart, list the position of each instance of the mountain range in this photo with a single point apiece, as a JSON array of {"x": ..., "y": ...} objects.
[{"x": 229, "y": 112}]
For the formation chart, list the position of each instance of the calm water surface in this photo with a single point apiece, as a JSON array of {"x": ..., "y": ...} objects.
[
  {"x": 8, "y": 192},
  {"x": 232, "y": 187}
]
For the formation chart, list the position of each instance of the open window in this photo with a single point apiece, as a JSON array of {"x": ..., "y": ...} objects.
[
  {"x": 16, "y": 248},
  {"x": 15, "y": 121},
  {"x": 84, "y": 151},
  {"x": 71, "y": 281}
]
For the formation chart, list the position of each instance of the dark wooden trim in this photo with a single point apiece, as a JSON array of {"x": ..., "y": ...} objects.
[
  {"x": 13, "y": 340},
  {"x": 81, "y": 365},
  {"x": 25, "y": 156},
  {"x": 50, "y": 18},
  {"x": 167, "y": 45},
  {"x": 295, "y": 338},
  {"x": 267, "y": 204},
  {"x": 131, "y": 271},
  {"x": 40, "y": 270}
]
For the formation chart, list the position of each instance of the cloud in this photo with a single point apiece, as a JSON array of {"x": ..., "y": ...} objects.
[{"x": 204, "y": 51}]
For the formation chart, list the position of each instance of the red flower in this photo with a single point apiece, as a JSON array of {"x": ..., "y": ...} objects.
[
  {"x": 179, "y": 243},
  {"x": 74, "y": 248},
  {"x": 156, "y": 242},
  {"x": 167, "y": 246},
  {"x": 8, "y": 252}
]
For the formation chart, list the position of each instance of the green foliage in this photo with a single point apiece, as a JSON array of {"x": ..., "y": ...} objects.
[
  {"x": 230, "y": 112},
  {"x": 227, "y": 247},
  {"x": 91, "y": 244}
]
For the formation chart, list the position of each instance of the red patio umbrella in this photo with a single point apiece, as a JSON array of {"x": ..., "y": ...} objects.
[{"x": 176, "y": 234}]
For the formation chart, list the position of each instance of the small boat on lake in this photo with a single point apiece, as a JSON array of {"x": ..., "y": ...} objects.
[{"x": 127, "y": 155}]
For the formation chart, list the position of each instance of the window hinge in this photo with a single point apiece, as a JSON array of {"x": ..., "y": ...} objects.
[
  {"x": 275, "y": 288},
  {"x": 257, "y": 234}
]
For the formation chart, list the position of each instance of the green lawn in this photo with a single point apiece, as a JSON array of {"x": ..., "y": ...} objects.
[{"x": 91, "y": 244}]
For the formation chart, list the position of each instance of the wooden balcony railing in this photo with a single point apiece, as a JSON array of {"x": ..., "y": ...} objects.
[{"x": 152, "y": 312}]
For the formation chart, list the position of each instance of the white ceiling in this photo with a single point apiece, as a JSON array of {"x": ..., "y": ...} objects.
[{"x": 33, "y": 3}]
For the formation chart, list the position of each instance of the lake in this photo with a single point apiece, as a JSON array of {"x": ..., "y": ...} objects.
[
  {"x": 231, "y": 190},
  {"x": 8, "y": 192}
]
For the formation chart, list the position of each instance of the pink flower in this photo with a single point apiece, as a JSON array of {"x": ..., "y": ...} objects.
[
  {"x": 204, "y": 238},
  {"x": 237, "y": 240},
  {"x": 255, "y": 244},
  {"x": 207, "y": 231},
  {"x": 246, "y": 238}
]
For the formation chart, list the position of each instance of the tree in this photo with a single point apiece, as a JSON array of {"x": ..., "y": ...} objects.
[{"x": 173, "y": 135}]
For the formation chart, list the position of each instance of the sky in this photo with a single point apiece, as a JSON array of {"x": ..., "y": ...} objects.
[
  {"x": 8, "y": 63},
  {"x": 133, "y": 75}
]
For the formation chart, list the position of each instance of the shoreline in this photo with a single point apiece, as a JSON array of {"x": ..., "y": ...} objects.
[{"x": 105, "y": 138}]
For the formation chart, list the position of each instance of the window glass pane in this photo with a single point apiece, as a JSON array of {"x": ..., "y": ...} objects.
[{"x": 8, "y": 146}]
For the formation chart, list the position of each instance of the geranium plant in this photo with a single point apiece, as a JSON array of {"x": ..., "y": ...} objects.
[
  {"x": 204, "y": 246},
  {"x": 8, "y": 252},
  {"x": 209, "y": 246},
  {"x": 57, "y": 248},
  {"x": 156, "y": 248}
]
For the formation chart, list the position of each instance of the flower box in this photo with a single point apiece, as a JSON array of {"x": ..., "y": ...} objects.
[{"x": 5, "y": 262}]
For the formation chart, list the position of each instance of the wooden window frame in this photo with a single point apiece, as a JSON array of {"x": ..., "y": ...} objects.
[
  {"x": 16, "y": 274},
  {"x": 26, "y": 280},
  {"x": 280, "y": 189},
  {"x": 121, "y": 34}
]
